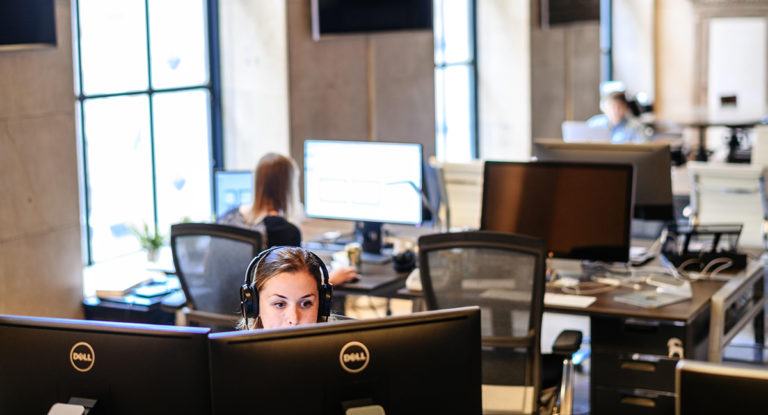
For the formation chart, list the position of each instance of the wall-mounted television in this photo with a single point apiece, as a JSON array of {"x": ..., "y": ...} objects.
[
  {"x": 27, "y": 24},
  {"x": 339, "y": 17},
  {"x": 558, "y": 12}
]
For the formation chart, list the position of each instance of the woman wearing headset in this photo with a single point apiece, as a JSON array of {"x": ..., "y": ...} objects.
[
  {"x": 285, "y": 286},
  {"x": 275, "y": 198}
]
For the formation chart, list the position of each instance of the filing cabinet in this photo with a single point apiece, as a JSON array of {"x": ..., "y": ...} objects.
[{"x": 633, "y": 361}]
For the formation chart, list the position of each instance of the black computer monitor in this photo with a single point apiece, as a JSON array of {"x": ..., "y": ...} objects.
[
  {"x": 364, "y": 181},
  {"x": 582, "y": 211},
  {"x": 652, "y": 163},
  {"x": 712, "y": 388},
  {"x": 126, "y": 368},
  {"x": 419, "y": 363},
  {"x": 231, "y": 188}
]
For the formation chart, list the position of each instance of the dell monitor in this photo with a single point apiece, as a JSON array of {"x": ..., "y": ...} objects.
[
  {"x": 124, "y": 368},
  {"x": 368, "y": 182},
  {"x": 231, "y": 188},
  {"x": 652, "y": 164},
  {"x": 582, "y": 211},
  {"x": 425, "y": 363}
]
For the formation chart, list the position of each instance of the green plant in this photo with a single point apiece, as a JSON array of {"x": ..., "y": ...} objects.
[{"x": 149, "y": 240}]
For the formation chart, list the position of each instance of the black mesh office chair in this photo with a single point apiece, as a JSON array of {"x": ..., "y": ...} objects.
[
  {"x": 210, "y": 261},
  {"x": 505, "y": 275}
]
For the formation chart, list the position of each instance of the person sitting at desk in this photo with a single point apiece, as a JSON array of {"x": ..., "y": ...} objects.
[
  {"x": 285, "y": 286},
  {"x": 616, "y": 116},
  {"x": 275, "y": 196}
]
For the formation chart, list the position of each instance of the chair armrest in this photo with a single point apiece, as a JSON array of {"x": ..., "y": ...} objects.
[{"x": 567, "y": 343}]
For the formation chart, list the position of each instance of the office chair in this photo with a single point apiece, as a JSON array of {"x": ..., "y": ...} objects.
[
  {"x": 210, "y": 261},
  {"x": 730, "y": 193},
  {"x": 504, "y": 274}
]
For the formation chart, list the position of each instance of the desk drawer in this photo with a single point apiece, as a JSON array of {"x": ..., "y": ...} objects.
[
  {"x": 612, "y": 401},
  {"x": 630, "y": 335},
  {"x": 633, "y": 371}
]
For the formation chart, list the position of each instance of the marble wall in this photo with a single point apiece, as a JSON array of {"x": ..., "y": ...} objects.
[{"x": 40, "y": 252}]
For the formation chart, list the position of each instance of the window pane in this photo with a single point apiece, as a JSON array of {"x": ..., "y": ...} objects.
[
  {"x": 458, "y": 113},
  {"x": 454, "y": 36},
  {"x": 113, "y": 45},
  {"x": 178, "y": 43},
  {"x": 182, "y": 157},
  {"x": 119, "y": 172}
]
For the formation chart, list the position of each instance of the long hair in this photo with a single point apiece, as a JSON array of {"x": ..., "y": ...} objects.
[
  {"x": 275, "y": 185},
  {"x": 284, "y": 259}
]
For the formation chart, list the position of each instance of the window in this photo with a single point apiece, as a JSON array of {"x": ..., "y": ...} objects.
[
  {"x": 455, "y": 80},
  {"x": 146, "y": 88}
]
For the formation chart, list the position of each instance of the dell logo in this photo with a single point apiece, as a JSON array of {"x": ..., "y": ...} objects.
[
  {"x": 82, "y": 357},
  {"x": 354, "y": 357}
]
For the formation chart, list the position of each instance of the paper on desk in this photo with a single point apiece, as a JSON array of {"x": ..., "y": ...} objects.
[{"x": 568, "y": 300}]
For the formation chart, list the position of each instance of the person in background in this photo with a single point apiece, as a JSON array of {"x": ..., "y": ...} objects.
[
  {"x": 275, "y": 199},
  {"x": 618, "y": 117}
]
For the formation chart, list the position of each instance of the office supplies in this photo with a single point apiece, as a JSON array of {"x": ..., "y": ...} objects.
[
  {"x": 693, "y": 247},
  {"x": 401, "y": 364},
  {"x": 125, "y": 368},
  {"x": 650, "y": 298},
  {"x": 568, "y": 300},
  {"x": 581, "y": 210}
]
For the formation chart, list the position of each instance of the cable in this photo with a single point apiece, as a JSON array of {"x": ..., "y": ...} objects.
[{"x": 586, "y": 290}]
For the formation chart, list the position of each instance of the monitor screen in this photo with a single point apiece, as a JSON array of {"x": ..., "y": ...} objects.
[
  {"x": 652, "y": 164},
  {"x": 335, "y": 17},
  {"x": 363, "y": 181},
  {"x": 126, "y": 368},
  {"x": 231, "y": 188},
  {"x": 582, "y": 211},
  {"x": 419, "y": 363}
]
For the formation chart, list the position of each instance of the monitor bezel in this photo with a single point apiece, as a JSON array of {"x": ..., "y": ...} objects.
[{"x": 628, "y": 203}]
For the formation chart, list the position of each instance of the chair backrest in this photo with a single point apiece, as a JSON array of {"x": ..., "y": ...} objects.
[
  {"x": 715, "y": 388},
  {"x": 730, "y": 193},
  {"x": 210, "y": 261},
  {"x": 503, "y": 274}
]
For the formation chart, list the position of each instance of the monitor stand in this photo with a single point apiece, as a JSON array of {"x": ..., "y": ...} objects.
[{"x": 369, "y": 233}]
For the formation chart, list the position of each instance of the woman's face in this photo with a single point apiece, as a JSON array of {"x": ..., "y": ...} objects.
[{"x": 288, "y": 299}]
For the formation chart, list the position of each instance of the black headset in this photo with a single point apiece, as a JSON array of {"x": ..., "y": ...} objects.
[{"x": 249, "y": 296}]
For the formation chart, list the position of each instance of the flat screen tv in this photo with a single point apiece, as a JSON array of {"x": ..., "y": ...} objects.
[
  {"x": 27, "y": 24},
  {"x": 338, "y": 17}
]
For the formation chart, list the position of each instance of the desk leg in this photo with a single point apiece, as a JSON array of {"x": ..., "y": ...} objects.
[
  {"x": 701, "y": 154},
  {"x": 758, "y": 324}
]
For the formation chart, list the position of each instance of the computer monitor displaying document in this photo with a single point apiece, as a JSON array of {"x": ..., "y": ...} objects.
[
  {"x": 231, "y": 188},
  {"x": 369, "y": 182},
  {"x": 126, "y": 368},
  {"x": 425, "y": 363},
  {"x": 582, "y": 211},
  {"x": 652, "y": 164}
]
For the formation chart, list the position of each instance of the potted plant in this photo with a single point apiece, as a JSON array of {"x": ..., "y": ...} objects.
[{"x": 150, "y": 241}]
